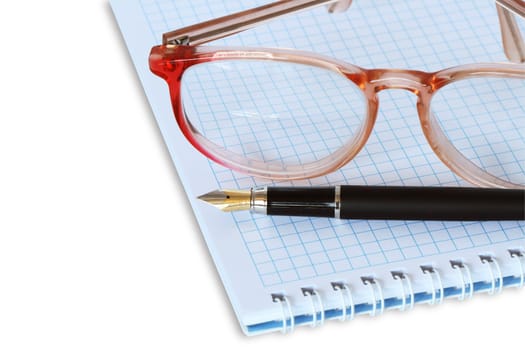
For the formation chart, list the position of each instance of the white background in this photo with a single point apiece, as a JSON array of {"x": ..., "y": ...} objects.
[{"x": 98, "y": 245}]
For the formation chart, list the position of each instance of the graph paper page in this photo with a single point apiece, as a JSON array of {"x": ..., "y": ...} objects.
[{"x": 257, "y": 256}]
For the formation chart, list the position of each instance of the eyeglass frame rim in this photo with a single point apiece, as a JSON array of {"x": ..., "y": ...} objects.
[
  {"x": 220, "y": 27},
  {"x": 423, "y": 84}
]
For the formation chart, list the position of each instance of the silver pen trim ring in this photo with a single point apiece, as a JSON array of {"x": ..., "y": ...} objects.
[
  {"x": 337, "y": 202},
  {"x": 258, "y": 200}
]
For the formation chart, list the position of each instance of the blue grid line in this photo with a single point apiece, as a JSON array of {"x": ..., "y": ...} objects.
[{"x": 150, "y": 26}]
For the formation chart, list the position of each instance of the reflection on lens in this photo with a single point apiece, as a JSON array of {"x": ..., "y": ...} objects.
[
  {"x": 276, "y": 112},
  {"x": 484, "y": 118}
]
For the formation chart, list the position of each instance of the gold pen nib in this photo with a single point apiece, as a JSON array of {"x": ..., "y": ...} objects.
[{"x": 228, "y": 200}]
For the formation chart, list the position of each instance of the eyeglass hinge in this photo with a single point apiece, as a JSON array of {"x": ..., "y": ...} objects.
[{"x": 182, "y": 40}]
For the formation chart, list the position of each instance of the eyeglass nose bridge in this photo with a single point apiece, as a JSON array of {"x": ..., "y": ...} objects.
[{"x": 417, "y": 82}]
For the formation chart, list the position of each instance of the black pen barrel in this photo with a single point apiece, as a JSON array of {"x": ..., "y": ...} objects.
[
  {"x": 301, "y": 201},
  {"x": 432, "y": 203},
  {"x": 398, "y": 203}
]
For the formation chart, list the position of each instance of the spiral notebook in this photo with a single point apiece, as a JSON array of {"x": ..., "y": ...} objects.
[{"x": 284, "y": 272}]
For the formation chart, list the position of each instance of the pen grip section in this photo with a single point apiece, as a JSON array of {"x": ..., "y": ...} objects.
[
  {"x": 431, "y": 203},
  {"x": 301, "y": 201}
]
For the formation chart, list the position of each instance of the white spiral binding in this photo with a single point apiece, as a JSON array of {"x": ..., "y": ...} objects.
[
  {"x": 463, "y": 270},
  {"x": 405, "y": 283},
  {"x": 310, "y": 293},
  {"x": 376, "y": 289},
  {"x": 520, "y": 259},
  {"x": 434, "y": 275},
  {"x": 493, "y": 265},
  {"x": 344, "y": 289},
  {"x": 283, "y": 300},
  {"x": 465, "y": 282}
]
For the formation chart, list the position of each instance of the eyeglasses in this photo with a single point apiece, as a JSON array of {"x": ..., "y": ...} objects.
[{"x": 289, "y": 114}]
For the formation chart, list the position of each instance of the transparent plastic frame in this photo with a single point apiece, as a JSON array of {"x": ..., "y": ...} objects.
[{"x": 182, "y": 50}]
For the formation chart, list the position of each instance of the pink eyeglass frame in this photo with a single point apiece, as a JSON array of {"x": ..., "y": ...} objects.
[{"x": 182, "y": 49}]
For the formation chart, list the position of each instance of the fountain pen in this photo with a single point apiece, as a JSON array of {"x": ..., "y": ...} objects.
[{"x": 377, "y": 202}]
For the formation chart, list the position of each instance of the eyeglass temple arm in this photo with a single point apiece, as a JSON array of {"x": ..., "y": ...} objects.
[
  {"x": 228, "y": 25},
  {"x": 513, "y": 43}
]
